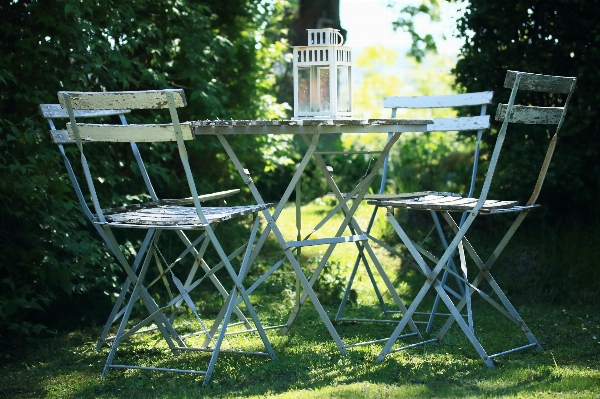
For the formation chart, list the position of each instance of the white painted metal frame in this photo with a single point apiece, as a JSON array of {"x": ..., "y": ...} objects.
[
  {"x": 61, "y": 137},
  {"x": 310, "y": 132},
  {"x": 466, "y": 123},
  {"x": 481, "y": 206},
  {"x": 168, "y": 215}
]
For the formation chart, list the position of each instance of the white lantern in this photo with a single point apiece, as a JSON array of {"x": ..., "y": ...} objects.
[{"x": 323, "y": 76}]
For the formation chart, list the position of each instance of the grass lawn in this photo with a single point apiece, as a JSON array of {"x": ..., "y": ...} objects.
[{"x": 309, "y": 365}]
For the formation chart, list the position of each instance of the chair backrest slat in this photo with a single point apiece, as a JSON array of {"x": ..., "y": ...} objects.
[
  {"x": 61, "y": 137},
  {"x": 445, "y": 101},
  {"x": 544, "y": 83},
  {"x": 125, "y": 133},
  {"x": 55, "y": 111},
  {"x": 152, "y": 99},
  {"x": 530, "y": 115},
  {"x": 460, "y": 124}
]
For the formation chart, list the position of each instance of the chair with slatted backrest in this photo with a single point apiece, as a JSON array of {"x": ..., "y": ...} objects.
[
  {"x": 474, "y": 207},
  {"x": 52, "y": 112},
  {"x": 476, "y": 123},
  {"x": 157, "y": 217}
]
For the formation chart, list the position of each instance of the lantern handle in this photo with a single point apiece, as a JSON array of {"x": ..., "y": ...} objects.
[{"x": 341, "y": 41}]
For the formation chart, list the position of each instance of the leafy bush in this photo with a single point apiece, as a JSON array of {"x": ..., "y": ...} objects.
[{"x": 221, "y": 53}]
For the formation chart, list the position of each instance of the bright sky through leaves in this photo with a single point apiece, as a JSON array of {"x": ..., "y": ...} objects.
[{"x": 369, "y": 22}]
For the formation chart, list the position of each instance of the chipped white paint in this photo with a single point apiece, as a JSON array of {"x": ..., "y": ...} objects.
[
  {"x": 530, "y": 115},
  {"x": 445, "y": 101},
  {"x": 171, "y": 202},
  {"x": 128, "y": 133},
  {"x": 460, "y": 124},
  {"x": 307, "y": 126},
  {"x": 475, "y": 207},
  {"x": 181, "y": 217},
  {"x": 544, "y": 83},
  {"x": 55, "y": 111},
  {"x": 152, "y": 99},
  {"x": 445, "y": 203}
]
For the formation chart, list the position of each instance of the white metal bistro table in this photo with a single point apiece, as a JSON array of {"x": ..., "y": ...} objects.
[{"x": 311, "y": 131}]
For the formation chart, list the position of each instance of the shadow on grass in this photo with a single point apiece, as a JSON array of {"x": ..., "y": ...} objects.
[{"x": 309, "y": 364}]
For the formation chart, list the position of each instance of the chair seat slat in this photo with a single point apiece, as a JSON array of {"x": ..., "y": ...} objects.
[
  {"x": 400, "y": 195},
  {"x": 450, "y": 204},
  {"x": 168, "y": 215}
]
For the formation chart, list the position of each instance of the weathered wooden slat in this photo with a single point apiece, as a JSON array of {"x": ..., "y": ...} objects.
[
  {"x": 451, "y": 201},
  {"x": 128, "y": 133},
  {"x": 173, "y": 202},
  {"x": 55, "y": 111},
  {"x": 203, "y": 197},
  {"x": 180, "y": 216},
  {"x": 544, "y": 83},
  {"x": 61, "y": 137},
  {"x": 530, "y": 115},
  {"x": 350, "y": 152},
  {"x": 399, "y": 125},
  {"x": 450, "y": 204},
  {"x": 437, "y": 199},
  {"x": 399, "y": 121},
  {"x": 460, "y": 124},
  {"x": 399, "y": 196},
  {"x": 152, "y": 99},
  {"x": 511, "y": 209},
  {"x": 446, "y": 101},
  {"x": 315, "y": 122}
]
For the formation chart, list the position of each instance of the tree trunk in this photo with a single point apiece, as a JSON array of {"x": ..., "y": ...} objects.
[{"x": 314, "y": 14}]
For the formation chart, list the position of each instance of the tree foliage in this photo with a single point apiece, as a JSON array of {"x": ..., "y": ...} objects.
[
  {"x": 222, "y": 53},
  {"x": 421, "y": 43},
  {"x": 558, "y": 37}
]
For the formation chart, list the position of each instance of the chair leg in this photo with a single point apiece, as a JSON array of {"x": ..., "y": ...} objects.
[
  {"x": 352, "y": 224},
  {"x": 213, "y": 359},
  {"x": 484, "y": 274},
  {"x": 432, "y": 278},
  {"x": 213, "y": 278},
  {"x": 237, "y": 279},
  {"x": 467, "y": 330},
  {"x": 362, "y": 257},
  {"x": 163, "y": 325},
  {"x": 137, "y": 290}
]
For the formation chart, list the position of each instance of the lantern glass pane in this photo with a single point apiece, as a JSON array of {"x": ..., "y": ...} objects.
[
  {"x": 324, "y": 100},
  {"x": 303, "y": 89},
  {"x": 343, "y": 88}
]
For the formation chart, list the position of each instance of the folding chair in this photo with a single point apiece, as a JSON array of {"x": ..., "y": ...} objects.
[
  {"x": 481, "y": 206},
  {"x": 54, "y": 111},
  {"x": 466, "y": 123},
  {"x": 158, "y": 216}
]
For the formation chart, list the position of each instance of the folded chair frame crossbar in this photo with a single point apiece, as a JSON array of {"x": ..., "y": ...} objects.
[
  {"x": 292, "y": 248},
  {"x": 156, "y": 217},
  {"x": 480, "y": 206},
  {"x": 61, "y": 138},
  {"x": 473, "y": 123}
]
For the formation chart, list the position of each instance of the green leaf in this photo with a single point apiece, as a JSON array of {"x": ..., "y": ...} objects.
[{"x": 69, "y": 9}]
